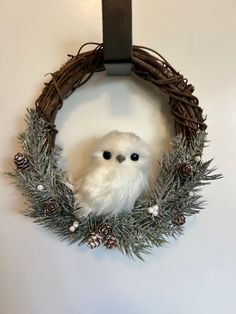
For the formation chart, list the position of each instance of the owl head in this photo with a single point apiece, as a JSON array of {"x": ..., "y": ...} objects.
[{"x": 122, "y": 151}]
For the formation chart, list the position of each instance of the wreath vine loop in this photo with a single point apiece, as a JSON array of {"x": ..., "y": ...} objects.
[
  {"x": 182, "y": 171},
  {"x": 153, "y": 68}
]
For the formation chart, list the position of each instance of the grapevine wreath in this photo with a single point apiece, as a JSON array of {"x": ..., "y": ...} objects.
[{"x": 181, "y": 172}]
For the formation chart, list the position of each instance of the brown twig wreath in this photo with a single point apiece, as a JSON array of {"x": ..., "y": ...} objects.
[
  {"x": 154, "y": 68},
  {"x": 181, "y": 174}
]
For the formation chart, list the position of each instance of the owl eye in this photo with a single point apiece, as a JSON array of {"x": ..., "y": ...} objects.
[
  {"x": 107, "y": 155},
  {"x": 134, "y": 157}
]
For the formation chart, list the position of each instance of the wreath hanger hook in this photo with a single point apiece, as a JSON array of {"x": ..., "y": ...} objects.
[{"x": 117, "y": 36}]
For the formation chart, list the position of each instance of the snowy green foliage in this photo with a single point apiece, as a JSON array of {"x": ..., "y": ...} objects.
[{"x": 137, "y": 232}]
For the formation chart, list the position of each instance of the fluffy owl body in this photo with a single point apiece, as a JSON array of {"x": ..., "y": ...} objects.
[{"x": 118, "y": 174}]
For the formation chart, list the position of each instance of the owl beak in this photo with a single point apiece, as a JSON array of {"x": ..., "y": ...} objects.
[{"x": 120, "y": 158}]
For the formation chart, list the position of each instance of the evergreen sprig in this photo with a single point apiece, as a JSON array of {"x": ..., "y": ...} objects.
[{"x": 137, "y": 231}]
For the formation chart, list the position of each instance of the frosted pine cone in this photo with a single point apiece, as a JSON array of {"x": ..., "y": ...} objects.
[
  {"x": 110, "y": 242},
  {"x": 95, "y": 240},
  {"x": 51, "y": 207},
  {"x": 184, "y": 170},
  {"x": 21, "y": 161},
  {"x": 105, "y": 229},
  {"x": 179, "y": 220}
]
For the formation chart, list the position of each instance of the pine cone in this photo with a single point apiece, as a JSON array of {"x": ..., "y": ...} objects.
[
  {"x": 110, "y": 242},
  {"x": 179, "y": 220},
  {"x": 21, "y": 161},
  {"x": 94, "y": 241},
  {"x": 105, "y": 229},
  {"x": 51, "y": 207},
  {"x": 184, "y": 170}
]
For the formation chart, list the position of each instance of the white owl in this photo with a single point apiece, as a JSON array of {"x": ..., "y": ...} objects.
[{"x": 116, "y": 177}]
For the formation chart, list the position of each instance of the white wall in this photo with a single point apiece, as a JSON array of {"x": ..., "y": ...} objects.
[{"x": 193, "y": 275}]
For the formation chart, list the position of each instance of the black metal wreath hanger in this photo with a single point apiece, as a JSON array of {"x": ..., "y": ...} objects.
[{"x": 117, "y": 36}]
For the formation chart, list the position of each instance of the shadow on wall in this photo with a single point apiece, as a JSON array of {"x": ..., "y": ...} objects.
[{"x": 127, "y": 104}]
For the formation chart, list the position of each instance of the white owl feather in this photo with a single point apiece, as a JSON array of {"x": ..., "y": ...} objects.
[{"x": 118, "y": 174}]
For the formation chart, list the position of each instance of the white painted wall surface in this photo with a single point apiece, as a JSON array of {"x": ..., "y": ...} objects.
[{"x": 195, "y": 274}]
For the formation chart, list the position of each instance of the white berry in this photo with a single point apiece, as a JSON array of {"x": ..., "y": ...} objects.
[
  {"x": 156, "y": 208},
  {"x": 197, "y": 158},
  {"x": 150, "y": 210},
  {"x": 72, "y": 229},
  {"x": 191, "y": 193},
  {"x": 75, "y": 224},
  {"x": 155, "y": 213},
  {"x": 40, "y": 187}
]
